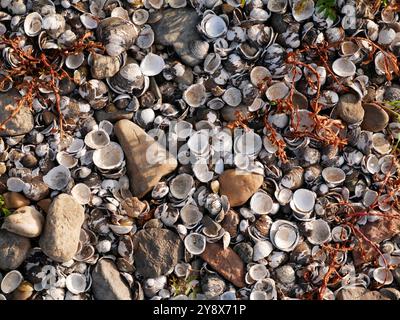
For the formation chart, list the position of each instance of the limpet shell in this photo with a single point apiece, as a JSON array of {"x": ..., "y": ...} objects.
[
  {"x": 195, "y": 243},
  {"x": 76, "y": 283}
]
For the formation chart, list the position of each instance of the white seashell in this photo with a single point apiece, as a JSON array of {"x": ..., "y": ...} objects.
[
  {"x": 259, "y": 15},
  {"x": 81, "y": 193},
  {"x": 181, "y": 185},
  {"x": 386, "y": 36},
  {"x": 33, "y": 24},
  {"x": 302, "y": 9},
  {"x": 370, "y": 197},
  {"x": 340, "y": 234},
  {"x": 258, "y": 295},
  {"x": 261, "y": 202},
  {"x": 284, "y": 235},
  {"x": 278, "y": 6},
  {"x": 258, "y": 272},
  {"x": 195, "y": 243},
  {"x": 57, "y": 178},
  {"x": 66, "y": 160},
  {"x": 191, "y": 215},
  {"x": 182, "y": 269},
  {"x": 383, "y": 276},
  {"x": 177, "y": 3},
  {"x": 277, "y": 91},
  {"x": 333, "y": 176},
  {"x": 97, "y": 139},
  {"x": 109, "y": 157},
  {"x": 319, "y": 231},
  {"x": 232, "y": 96},
  {"x": 213, "y": 26},
  {"x": 195, "y": 95},
  {"x": 344, "y": 67},
  {"x": 198, "y": 143},
  {"x": 15, "y": 184},
  {"x": 120, "y": 13},
  {"x": 261, "y": 250},
  {"x": 117, "y": 229},
  {"x": 145, "y": 38},
  {"x": 88, "y": 21},
  {"x": 152, "y": 65},
  {"x": 76, "y": 283},
  {"x": 249, "y": 143},
  {"x": 11, "y": 281},
  {"x": 212, "y": 62},
  {"x": 226, "y": 240},
  {"x": 303, "y": 200},
  {"x": 169, "y": 216},
  {"x": 380, "y": 144},
  {"x": 75, "y": 146},
  {"x": 74, "y": 61},
  {"x": 259, "y": 75},
  {"x": 140, "y": 17}
]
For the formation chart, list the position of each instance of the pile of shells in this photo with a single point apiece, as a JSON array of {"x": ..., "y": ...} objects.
[{"x": 224, "y": 89}]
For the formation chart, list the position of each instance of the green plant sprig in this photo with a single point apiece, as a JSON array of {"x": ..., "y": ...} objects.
[
  {"x": 4, "y": 211},
  {"x": 327, "y": 8}
]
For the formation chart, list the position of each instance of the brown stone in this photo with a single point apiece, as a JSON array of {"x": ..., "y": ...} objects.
[
  {"x": 44, "y": 204},
  {"x": 376, "y": 232},
  {"x": 239, "y": 185},
  {"x": 375, "y": 118},
  {"x": 15, "y": 200},
  {"x": 226, "y": 262},
  {"x": 147, "y": 160},
  {"x": 231, "y": 222},
  {"x": 133, "y": 206},
  {"x": 373, "y": 295}
]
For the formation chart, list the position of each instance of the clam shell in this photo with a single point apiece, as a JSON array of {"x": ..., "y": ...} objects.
[
  {"x": 181, "y": 185},
  {"x": 190, "y": 215},
  {"x": 258, "y": 272},
  {"x": 74, "y": 61},
  {"x": 303, "y": 200},
  {"x": 383, "y": 276},
  {"x": 152, "y": 65},
  {"x": 140, "y": 16},
  {"x": 11, "y": 281},
  {"x": 195, "y": 243},
  {"x": 344, "y": 67},
  {"x": 333, "y": 176},
  {"x": 109, "y": 157},
  {"x": 66, "y": 160},
  {"x": 213, "y": 26},
  {"x": 261, "y": 250},
  {"x": 81, "y": 193},
  {"x": 57, "y": 178},
  {"x": 319, "y": 231},
  {"x": 284, "y": 235},
  {"x": 261, "y": 203},
  {"x": 15, "y": 184},
  {"x": 88, "y": 21},
  {"x": 277, "y": 91},
  {"x": 232, "y": 97},
  {"x": 76, "y": 283},
  {"x": 302, "y": 9},
  {"x": 195, "y": 95},
  {"x": 97, "y": 139},
  {"x": 33, "y": 24},
  {"x": 259, "y": 75}
]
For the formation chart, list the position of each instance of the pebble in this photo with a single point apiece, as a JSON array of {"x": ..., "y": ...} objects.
[
  {"x": 350, "y": 109},
  {"x": 147, "y": 160},
  {"x": 29, "y": 161},
  {"x": 25, "y": 221},
  {"x": 373, "y": 295},
  {"x": 108, "y": 283},
  {"x": 60, "y": 237},
  {"x": 231, "y": 222},
  {"x": 15, "y": 200},
  {"x": 376, "y": 232},
  {"x": 44, "y": 204},
  {"x": 13, "y": 250},
  {"x": 239, "y": 185},
  {"x": 133, "y": 206},
  {"x": 22, "y": 122},
  {"x": 177, "y": 28},
  {"x": 226, "y": 262},
  {"x": 212, "y": 286},
  {"x": 156, "y": 251},
  {"x": 375, "y": 118},
  {"x": 103, "y": 66},
  {"x": 350, "y": 293}
]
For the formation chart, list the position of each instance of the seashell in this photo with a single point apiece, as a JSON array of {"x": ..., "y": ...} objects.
[
  {"x": 57, "y": 178},
  {"x": 259, "y": 75},
  {"x": 190, "y": 215},
  {"x": 213, "y": 26},
  {"x": 33, "y": 24},
  {"x": 11, "y": 281},
  {"x": 199, "y": 50},
  {"x": 117, "y": 35},
  {"x": 249, "y": 143},
  {"x": 382, "y": 275},
  {"x": 88, "y": 21},
  {"x": 109, "y": 157},
  {"x": 303, "y": 201},
  {"x": 382, "y": 65},
  {"x": 177, "y": 3},
  {"x": 75, "y": 283},
  {"x": 261, "y": 250},
  {"x": 195, "y": 243},
  {"x": 15, "y": 184},
  {"x": 182, "y": 270},
  {"x": 181, "y": 185},
  {"x": 302, "y": 9},
  {"x": 333, "y": 176},
  {"x": 261, "y": 203},
  {"x": 344, "y": 67},
  {"x": 277, "y": 91},
  {"x": 145, "y": 117},
  {"x": 140, "y": 16},
  {"x": 259, "y": 15},
  {"x": 54, "y": 24},
  {"x": 152, "y": 64},
  {"x": 145, "y": 38},
  {"x": 258, "y": 272},
  {"x": 318, "y": 231},
  {"x": 232, "y": 96},
  {"x": 74, "y": 61},
  {"x": 169, "y": 216},
  {"x": 195, "y": 95},
  {"x": 278, "y": 6},
  {"x": 160, "y": 190},
  {"x": 340, "y": 233},
  {"x": 66, "y": 160},
  {"x": 293, "y": 179},
  {"x": 81, "y": 193},
  {"x": 128, "y": 78},
  {"x": 284, "y": 235},
  {"x": 97, "y": 139},
  {"x": 212, "y": 62},
  {"x": 380, "y": 144}
]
